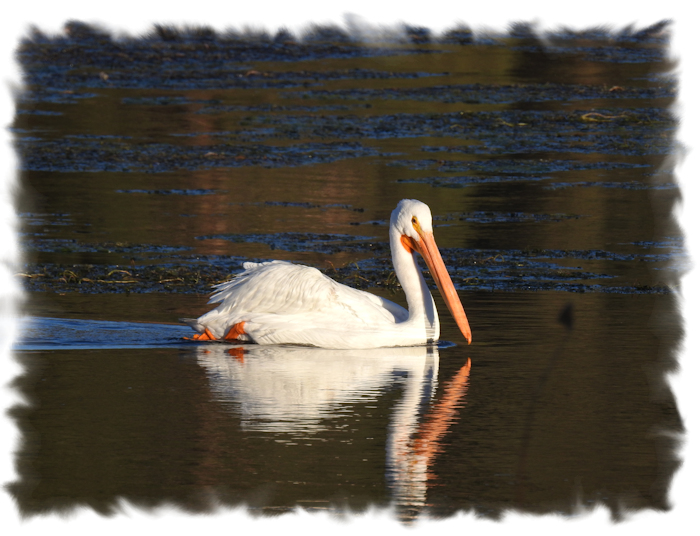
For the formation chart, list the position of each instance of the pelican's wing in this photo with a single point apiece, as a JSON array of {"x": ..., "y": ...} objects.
[{"x": 284, "y": 288}]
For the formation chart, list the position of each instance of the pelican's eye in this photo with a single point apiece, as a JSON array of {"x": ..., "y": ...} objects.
[{"x": 416, "y": 225}]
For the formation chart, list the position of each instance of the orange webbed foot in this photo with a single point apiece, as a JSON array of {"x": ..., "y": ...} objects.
[
  {"x": 235, "y": 331},
  {"x": 206, "y": 336}
]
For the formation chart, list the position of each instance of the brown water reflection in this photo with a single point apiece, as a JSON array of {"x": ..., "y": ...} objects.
[{"x": 180, "y": 424}]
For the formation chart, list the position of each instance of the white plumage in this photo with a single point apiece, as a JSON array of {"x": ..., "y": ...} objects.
[{"x": 283, "y": 303}]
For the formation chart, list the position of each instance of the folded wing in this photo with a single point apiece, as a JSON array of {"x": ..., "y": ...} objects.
[{"x": 288, "y": 289}]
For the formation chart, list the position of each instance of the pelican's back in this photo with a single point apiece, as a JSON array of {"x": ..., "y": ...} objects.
[
  {"x": 281, "y": 294},
  {"x": 275, "y": 287}
]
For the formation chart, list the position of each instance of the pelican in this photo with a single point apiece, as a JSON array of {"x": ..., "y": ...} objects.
[{"x": 279, "y": 302}]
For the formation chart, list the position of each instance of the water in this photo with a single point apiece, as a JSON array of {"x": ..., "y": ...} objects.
[{"x": 152, "y": 169}]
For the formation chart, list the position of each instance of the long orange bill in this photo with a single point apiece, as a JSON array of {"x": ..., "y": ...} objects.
[{"x": 428, "y": 248}]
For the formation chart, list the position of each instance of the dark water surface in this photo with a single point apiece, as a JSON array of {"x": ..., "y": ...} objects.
[{"x": 152, "y": 167}]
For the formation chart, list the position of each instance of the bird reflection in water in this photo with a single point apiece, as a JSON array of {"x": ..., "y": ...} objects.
[
  {"x": 413, "y": 446},
  {"x": 301, "y": 390}
]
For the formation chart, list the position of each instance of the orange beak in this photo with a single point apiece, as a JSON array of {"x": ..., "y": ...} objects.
[{"x": 429, "y": 250}]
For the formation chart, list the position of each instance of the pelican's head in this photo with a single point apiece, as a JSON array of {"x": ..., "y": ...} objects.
[
  {"x": 411, "y": 215},
  {"x": 414, "y": 222}
]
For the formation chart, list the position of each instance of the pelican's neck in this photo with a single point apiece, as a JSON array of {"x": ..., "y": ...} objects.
[{"x": 421, "y": 306}]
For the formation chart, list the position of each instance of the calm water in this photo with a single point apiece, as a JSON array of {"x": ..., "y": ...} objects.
[{"x": 153, "y": 167}]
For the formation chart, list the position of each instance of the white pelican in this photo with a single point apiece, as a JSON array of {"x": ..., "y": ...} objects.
[{"x": 282, "y": 303}]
